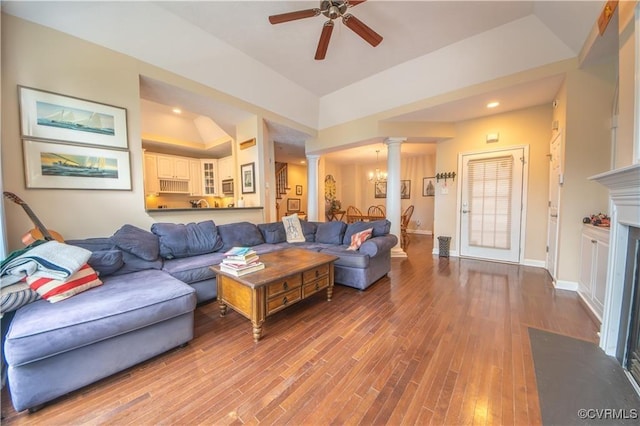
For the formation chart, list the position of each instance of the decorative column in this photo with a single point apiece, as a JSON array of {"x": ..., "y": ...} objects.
[
  {"x": 312, "y": 187},
  {"x": 394, "y": 206}
]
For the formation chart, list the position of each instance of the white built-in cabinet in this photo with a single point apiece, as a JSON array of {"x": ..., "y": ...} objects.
[
  {"x": 225, "y": 167},
  {"x": 151, "y": 182},
  {"x": 225, "y": 171},
  {"x": 209, "y": 176},
  {"x": 592, "y": 285},
  {"x": 196, "y": 177},
  {"x": 195, "y": 183},
  {"x": 173, "y": 167}
]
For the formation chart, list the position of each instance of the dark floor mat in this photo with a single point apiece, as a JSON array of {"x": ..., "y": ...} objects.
[{"x": 578, "y": 384}]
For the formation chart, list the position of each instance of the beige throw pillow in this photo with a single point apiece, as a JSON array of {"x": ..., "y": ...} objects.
[{"x": 293, "y": 229}]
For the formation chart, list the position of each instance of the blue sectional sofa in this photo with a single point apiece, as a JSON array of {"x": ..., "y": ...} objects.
[{"x": 152, "y": 282}]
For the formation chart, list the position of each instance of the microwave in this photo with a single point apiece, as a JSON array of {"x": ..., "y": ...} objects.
[{"x": 227, "y": 186}]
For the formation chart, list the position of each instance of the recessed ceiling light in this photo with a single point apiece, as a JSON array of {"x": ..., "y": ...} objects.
[
  {"x": 177, "y": 110},
  {"x": 493, "y": 104},
  {"x": 303, "y": 162}
]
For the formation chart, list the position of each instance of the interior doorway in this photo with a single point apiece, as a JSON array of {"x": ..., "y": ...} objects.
[
  {"x": 491, "y": 204},
  {"x": 555, "y": 180}
]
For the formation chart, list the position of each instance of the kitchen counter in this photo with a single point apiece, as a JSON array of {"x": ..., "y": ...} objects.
[
  {"x": 191, "y": 209},
  {"x": 220, "y": 215}
]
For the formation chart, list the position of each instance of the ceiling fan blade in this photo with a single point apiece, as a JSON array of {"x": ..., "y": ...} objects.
[
  {"x": 355, "y": 2},
  {"x": 360, "y": 28},
  {"x": 292, "y": 16},
  {"x": 323, "y": 44}
]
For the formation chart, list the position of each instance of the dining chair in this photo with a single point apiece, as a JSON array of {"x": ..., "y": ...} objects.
[
  {"x": 353, "y": 213},
  {"x": 375, "y": 211},
  {"x": 404, "y": 235}
]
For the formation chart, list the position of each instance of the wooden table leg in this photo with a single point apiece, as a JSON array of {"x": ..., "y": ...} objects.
[
  {"x": 329, "y": 293},
  {"x": 223, "y": 308},
  {"x": 257, "y": 330}
]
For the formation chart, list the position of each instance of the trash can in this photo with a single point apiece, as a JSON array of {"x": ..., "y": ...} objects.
[{"x": 443, "y": 245}]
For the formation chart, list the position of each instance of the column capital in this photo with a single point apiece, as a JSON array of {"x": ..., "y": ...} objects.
[
  {"x": 313, "y": 156},
  {"x": 394, "y": 140}
]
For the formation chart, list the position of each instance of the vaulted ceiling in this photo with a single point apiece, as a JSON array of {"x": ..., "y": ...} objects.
[{"x": 231, "y": 46}]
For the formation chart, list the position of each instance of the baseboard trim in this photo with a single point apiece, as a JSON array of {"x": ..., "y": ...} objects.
[
  {"x": 436, "y": 252},
  {"x": 535, "y": 263},
  {"x": 590, "y": 311},
  {"x": 419, "y": 231},
  {"x": 566, "y": 285}
]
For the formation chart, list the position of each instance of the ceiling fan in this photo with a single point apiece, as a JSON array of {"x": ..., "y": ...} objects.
[{"x": 332, "y": 9}]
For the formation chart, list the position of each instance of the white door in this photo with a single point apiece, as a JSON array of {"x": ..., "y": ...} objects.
[
  {"x": 491, "y": 205},
  {"x": 555, "y": 180}
]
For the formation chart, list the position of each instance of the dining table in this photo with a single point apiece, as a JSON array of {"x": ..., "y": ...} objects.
[{"x": 363, "y": 218}]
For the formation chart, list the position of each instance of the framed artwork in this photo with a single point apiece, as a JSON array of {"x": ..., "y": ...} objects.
[
  {"x": 293, "y": 204},
  {"x": 248, "y": 174},
  {"x": 46, "y": 115},
  {"x": 60, "y": 166},
  {"x": 380, "y": 189},
  {"x": 405, "y": 189},
  {"x": 298, "y": 189},
  {"x": 429, "y": 186}
]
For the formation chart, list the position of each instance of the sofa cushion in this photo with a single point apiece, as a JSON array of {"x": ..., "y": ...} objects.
[
  {"x": 139, "y": 242},
  {"x": 122, "y": 304},
  {"x": 309, "y": 230},
  {"x": 380, "y": 227},
  {"x": 58, "y": 290},
  {"x": 180, "y": 240},
  {"x": 330, "y": 232},
  {"x": 94, "y": 244},
  {"x": 239, "y": 234},
  {"x": 106, "y": 262},
  {"x": 273, "y": 233},
  {"x": 133, "y": 263},
  {"x": 358, "y": 238},
  {"x": 351, "y": 259},
  {"x": 193, "y": 269},
  {"x": 293, "y": 229}
]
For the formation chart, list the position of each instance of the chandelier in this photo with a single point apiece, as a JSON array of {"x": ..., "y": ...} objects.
[{"x": 378, "y": 175}]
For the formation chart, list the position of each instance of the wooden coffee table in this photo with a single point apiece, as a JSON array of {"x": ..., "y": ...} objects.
[{"x": 289, "y": 276}]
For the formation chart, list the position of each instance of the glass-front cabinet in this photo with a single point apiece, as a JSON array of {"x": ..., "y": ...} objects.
[{"x": 209, "y": 176}]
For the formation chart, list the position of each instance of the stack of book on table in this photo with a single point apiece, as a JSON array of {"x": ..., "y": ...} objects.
[{"x": 241, "y": 260}]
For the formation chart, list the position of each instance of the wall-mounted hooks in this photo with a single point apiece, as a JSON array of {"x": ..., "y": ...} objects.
[{"x": 445, "y": 176}]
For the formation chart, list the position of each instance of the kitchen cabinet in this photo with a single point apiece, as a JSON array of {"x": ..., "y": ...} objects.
[
  {"x": 209, "y": 176},
  {"x": 173, "y": 167},
  {"x": 151, "y": 183},
  {"x": 225, "y": 168},
  {"x": 195, "y": 181},
  {"x": 592, "y": 284},
  {"x": 225, "y": 172}
]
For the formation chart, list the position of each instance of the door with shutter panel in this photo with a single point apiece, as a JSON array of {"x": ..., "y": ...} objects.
[{"x": 491, "y": 205}]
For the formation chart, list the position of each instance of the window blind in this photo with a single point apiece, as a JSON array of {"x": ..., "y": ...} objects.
[{"x": 489, "y": 197}]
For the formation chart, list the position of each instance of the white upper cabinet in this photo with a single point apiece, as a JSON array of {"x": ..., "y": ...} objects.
[
  {"x": 173, "y": 167},
  {"x": 225, "y": 168}
]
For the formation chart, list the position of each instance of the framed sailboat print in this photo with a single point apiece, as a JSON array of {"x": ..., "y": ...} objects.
[
  {"x": 63, "y": 166},
  {"x": 51, "y": 116}
]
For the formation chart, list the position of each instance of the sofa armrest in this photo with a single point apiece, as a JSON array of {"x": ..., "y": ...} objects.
[{"x": 375, "y": 245}]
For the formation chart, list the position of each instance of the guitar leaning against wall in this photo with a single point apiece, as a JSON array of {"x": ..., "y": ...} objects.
[{"x": 37, "y": 233}]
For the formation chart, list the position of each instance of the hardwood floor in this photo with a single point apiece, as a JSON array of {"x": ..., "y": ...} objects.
[{"x": 439, "y": 341}]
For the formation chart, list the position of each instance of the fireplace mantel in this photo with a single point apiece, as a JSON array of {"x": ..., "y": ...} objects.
[
  {"x": 622, "y": 181},
  {"x": 624, "y": 192}
]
